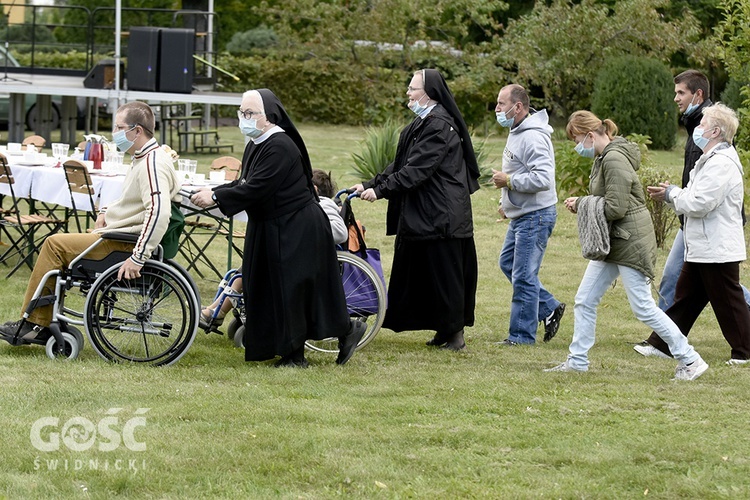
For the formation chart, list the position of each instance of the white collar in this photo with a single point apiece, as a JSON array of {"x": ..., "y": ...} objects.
[{"x": 268, "y": 133}]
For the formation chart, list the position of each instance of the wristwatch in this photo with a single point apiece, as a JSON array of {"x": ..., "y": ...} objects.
[{"x": 213, "y": 197}]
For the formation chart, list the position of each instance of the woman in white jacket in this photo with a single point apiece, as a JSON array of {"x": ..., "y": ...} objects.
[{"x": 714, "y": 238}]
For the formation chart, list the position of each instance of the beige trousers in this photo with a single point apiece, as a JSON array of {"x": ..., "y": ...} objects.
[{"x": 57, "y": 252}]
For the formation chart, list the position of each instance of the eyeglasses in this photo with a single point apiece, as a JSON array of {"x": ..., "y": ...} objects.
[
  {"x": 247, "y": 114},
  {"x": 413, "y": 89},
  {"x": 126, "y": 127}
]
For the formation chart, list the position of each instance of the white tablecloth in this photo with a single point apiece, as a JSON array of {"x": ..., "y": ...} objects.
[{"x": 47, "y": 184}]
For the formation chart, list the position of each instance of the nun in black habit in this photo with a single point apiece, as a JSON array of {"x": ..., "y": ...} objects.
[
  {"x": 428, "y": 186},
  {"x": 290, "y": 276}
]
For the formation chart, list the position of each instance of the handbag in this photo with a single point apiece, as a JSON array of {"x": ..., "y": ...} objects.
[
  {"x": 171, "y": 239},
  {"x": 362, "y": 298}
]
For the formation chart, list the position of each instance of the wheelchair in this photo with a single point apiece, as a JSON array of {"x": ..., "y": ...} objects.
[
  {"x": 365, "y": 301},
  {"x": 152, "y": 319}
]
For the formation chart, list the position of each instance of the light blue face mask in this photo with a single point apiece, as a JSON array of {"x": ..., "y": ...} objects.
[
  {"x": 250, "y": 128},
  {"x": 122, "y": 141},
  {"x": 417, "y": 108},
  {"x": 691, "y": 107},
  {"x": 503, "y": 120},
  {"x": 698, "y": 138},
  {"x": 584, "y": 151}
]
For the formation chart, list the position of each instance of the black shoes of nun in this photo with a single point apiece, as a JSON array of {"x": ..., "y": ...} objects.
[
  {"x": 449, "y": 341},
  {"x": 348, "y": 343},
  {"x": 296, "y": 359}
]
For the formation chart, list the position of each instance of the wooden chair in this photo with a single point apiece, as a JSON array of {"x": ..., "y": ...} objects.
[
  {"x": 37, "y": 140},
  {"x": 79, "y": 183},
  {"x": 24, "y": 241},
  {"x": 229, "y": 164}
]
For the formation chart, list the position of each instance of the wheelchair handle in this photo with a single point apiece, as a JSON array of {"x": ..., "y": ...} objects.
[{"x": 351, "y": 193}]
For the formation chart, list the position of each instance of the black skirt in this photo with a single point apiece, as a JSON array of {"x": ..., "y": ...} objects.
[{"x": 433, "y": 285}]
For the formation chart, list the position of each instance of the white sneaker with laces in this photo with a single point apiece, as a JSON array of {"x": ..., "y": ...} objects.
[
  {"x": 646, "y": 349},
  {"x": 691, "y": 371},
  {"x": 737, "y": 362},
  {"x": 563, "y": 367}
]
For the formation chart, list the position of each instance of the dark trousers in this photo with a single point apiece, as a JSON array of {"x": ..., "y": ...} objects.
[{"x": 718, "y": 284}]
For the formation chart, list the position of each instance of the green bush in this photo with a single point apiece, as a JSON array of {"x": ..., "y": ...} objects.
[
  {"x": 246, "y": 42},
  {"x": 572, "y": 170},
  {"x": 637, "y": 94},
  {"x": 378, "y": 150}
]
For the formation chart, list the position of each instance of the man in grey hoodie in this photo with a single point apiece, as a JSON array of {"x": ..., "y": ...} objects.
[{"x": 529, "y": 196}]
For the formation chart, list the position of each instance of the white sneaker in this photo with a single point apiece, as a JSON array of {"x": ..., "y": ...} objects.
[
  {"x": 646, "y": 349},
  {"x": 691, "y": 371},
  {"x": 735, "y": 362},
  {"x": 563, "y": 367}
]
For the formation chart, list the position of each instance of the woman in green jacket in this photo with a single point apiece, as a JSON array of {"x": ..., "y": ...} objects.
[{"x": 632, "y": 254}]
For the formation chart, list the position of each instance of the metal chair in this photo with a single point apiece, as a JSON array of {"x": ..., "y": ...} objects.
[{"x": 23, "y": 240}]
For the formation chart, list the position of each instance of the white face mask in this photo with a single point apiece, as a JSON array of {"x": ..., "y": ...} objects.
[{"x": 691, "y": 107}]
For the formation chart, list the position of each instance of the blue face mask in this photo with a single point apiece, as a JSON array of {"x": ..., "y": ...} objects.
[
  {"x": 417, "y": 108},
  {"x": 122, "y": 141},
  {"x": 504, "y": 121},
  {"x": 691, "y": 107},
  {"x": 250, "y": 128},
  {"x": 698, "y": 138},
  {"x": 584, "y": 151}
]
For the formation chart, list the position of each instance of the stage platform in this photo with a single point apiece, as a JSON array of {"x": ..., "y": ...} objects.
[{"x": 18, "y": 85}]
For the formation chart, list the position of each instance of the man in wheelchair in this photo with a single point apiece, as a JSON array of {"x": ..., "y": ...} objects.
[{"x": 144, "y": 208}]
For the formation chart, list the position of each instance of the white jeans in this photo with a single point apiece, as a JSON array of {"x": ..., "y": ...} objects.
[{"x": 597, "y": 278}]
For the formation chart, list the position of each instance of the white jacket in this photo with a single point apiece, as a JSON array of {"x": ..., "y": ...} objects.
[{"x": 712, "y": 206}]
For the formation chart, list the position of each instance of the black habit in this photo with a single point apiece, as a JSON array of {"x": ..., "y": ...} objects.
[
  {"x": 428, "y": 186},
  {"x": 292, "y": 288}
]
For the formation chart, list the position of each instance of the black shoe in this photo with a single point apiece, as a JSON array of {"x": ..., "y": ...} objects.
[
  {"x": 24, "y": 332},
  {"x": 437, "y": 341},
  {"x": 348, "y": 344},
  {"x": 455, "y": 342},
  {"x": 291, "y": 363},
  {"x": 506, "y": 343},
  {"x": 552, "y": 322}
]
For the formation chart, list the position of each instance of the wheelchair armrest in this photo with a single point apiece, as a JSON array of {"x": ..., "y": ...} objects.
[{"x": 120, "y": 236}]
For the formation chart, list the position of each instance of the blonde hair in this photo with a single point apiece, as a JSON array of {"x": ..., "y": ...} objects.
[
  {"x": 724, "y": 118},
  {"x": 583, "y": 122}
]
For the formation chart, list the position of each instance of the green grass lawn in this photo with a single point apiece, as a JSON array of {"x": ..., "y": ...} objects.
[{"x": 400, "y": 420}]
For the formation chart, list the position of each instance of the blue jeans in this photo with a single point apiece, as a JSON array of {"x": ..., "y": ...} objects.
[
  {"x": 596, "y": 280},
  {"x": 520, "y": 260},
  {"x": 672, "y": 269}
]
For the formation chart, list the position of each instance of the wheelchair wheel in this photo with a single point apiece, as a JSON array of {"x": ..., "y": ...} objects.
[
  {"x": 152, "y": 319},
  {"x": 365, "y": 300},
  {"x": 75, "y": 332},
  {"x": 239, "y": 337},
  {"x": 70, "y": 349}
]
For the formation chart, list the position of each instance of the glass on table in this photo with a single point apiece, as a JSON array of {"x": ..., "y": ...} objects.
[{"x": 60, "y": 152}]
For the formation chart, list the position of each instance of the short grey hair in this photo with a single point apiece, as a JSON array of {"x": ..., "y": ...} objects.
[{"x": 724, "y": 118}]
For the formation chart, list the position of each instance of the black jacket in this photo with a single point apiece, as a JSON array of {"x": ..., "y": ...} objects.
[
  {"x": 427, "y": 186},
  {"x": 692, "y": 152}
]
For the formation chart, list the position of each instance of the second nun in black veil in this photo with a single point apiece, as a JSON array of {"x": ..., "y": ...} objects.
[
  {"x": 290, "y": 274},
  {"x": 428, "y": 186}
]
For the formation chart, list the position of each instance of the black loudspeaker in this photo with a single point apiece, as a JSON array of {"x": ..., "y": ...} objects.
[
  {"x": 102, "y": 76},
  {"x": 143, "y": 58},
  {"x": 176, "y": 65}
]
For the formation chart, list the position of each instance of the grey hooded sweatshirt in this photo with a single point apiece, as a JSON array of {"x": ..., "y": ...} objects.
[{"x": 529, "y": 160}]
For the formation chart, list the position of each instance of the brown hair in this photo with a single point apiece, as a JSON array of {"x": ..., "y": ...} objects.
[
  {"x": 518, "y": 94},
  {"x": 583, "y": 122},
  {"x": 694, "y": 80},
  {"x": 139, "y": 113},
  {"x": 324, "y": 182}
]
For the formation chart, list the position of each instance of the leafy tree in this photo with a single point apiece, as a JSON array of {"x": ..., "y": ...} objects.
[
  {"x": 733, "y": 34},
  {"x": 636, "y": 93},
  {"x": 562, "y": 46}
]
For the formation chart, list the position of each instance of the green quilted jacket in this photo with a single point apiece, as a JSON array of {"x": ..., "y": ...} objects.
[{"x": 614, "y": 176}]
